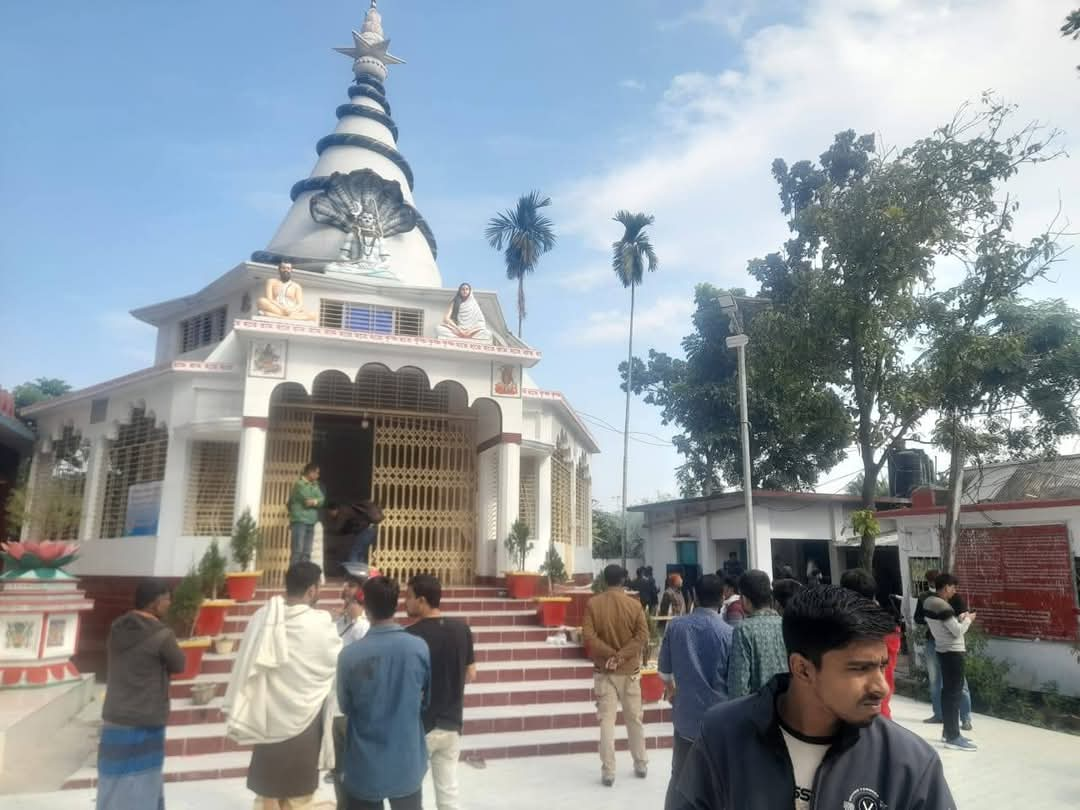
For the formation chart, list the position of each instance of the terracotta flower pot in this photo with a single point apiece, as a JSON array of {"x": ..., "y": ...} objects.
[
  {"x": 552, "y": 610},
  {"x": 242, "y": 584},
  {"x": 211, "y": 618},
  {"x": 521, "y": 584},
  {"x": 652, "y": 688},
  {"x": 194, "y": 649}
]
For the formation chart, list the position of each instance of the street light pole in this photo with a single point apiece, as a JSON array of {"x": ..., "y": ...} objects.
[{"x": 738, "y": 342}]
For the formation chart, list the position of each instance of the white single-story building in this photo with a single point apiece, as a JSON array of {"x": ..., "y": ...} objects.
[{"x": 790, "y": 528}]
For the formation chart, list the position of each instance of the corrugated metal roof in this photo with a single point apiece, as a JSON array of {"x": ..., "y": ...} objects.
[{"x": 1052, "y": 479}]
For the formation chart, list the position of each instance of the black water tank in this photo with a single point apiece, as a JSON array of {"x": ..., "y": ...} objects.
[{"x": 908, "y": 470}]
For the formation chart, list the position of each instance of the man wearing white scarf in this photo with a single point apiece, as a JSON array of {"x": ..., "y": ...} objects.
[
  {"x": 281, "y": 695},
  {"x": 464, "y": 319}
]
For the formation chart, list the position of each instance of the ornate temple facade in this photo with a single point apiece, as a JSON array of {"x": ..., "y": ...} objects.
[{"x": 338, "y": 343}]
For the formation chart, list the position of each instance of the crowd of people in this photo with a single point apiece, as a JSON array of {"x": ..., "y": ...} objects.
[
  {"x": 776, "y": 691},
  {"x": 371, "y": 701}
]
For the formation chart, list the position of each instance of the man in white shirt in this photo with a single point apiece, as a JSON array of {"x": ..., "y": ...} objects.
[{"x": 948, "y": 631}]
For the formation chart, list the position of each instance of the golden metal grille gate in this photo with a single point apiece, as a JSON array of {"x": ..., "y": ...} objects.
[
  {"x": 561, "y": 478},
  {"x": 288, "y": 449},
  {"x": 425, "y": 481},
  {"x": 424, "y": 478}
]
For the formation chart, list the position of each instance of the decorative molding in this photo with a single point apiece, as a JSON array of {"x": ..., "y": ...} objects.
[
  {"x": 465, "y": 347},
  {"x": 197, "y": 366},
  {"x": 367, "y": 112},
  {"x": 367, "y": 92},
  {"x": 495, "y": 441},
  {"x": 367, "y": 142},
  {"x": 261, "y": 422},
  {"x": 557, "y": 396}
]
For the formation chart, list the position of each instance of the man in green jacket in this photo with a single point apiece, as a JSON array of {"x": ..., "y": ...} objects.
[{"x": 304, "y": 502}]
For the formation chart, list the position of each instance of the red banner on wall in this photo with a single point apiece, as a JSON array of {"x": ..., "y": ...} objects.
[{"x": 1020, "y": 580}]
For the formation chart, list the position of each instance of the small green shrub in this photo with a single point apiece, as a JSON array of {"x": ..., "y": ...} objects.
[
  {"x": 518, "y": 544},
  {"x": 186, "y": 599},
  {"x": 212, "y": 571},
  {"x": 245, "y": 540},
  {"x": 553, "y": 567}
]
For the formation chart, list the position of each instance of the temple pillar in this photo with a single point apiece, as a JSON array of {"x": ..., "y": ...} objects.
[
  {"x": 173, "y": 497},
  {"x": 509, "y": 496},
  {"x": 92, "y": 492},
  {"x": 249, "y": 467},
  {"x": 543, "y": 515}
]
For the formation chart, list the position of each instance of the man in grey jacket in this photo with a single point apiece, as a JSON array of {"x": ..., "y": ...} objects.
[
  {"x": 814, "y": 738},
  {"x": 948, "y": 631}
]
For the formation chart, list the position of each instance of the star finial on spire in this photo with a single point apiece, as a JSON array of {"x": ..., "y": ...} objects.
[{"x": 369, "y": 43}]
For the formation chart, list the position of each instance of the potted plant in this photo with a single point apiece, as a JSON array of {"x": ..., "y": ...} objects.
[
  {"x": 552, "y": 609},
  {"x": 652, "y": 688},
  {"x": 211, "y": 574},
  {"x": 520, "y": 584},
  {"x": 243, "y": 544},
  {"x": 183, "y": 612}
]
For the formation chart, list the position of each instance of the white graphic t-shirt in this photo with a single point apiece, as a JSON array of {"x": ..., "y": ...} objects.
[{"x": 806, "y": 754}]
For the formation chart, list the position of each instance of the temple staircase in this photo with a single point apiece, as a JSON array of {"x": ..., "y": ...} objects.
[{"x": 531, "y": 697}]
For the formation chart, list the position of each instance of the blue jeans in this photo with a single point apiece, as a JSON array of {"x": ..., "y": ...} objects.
[
  {"x": 933, "y": 669},
  {"x": 361, "y": 545},
  {"x": 303, "y": 536}
]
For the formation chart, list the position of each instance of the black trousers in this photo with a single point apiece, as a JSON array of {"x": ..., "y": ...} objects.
[
  {"x": 679, "y": 752},
  {"x": 952, "y": 689},
  {"x": 410, "y": 802}
]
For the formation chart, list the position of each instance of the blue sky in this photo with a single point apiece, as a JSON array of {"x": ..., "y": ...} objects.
[{"x": 149, "y": 147}]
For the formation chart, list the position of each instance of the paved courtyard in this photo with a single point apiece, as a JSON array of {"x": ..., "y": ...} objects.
[{"x": 1016, "y": 766}]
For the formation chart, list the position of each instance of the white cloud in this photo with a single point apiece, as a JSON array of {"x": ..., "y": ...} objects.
[
  {"x": 585, "y": 279},
  {"x": 632, "y": 84},
  {"x": 893, "y": 68},
  {"x": 654, "y": 319}
]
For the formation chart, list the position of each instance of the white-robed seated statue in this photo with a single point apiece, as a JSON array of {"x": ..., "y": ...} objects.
[{"x": 464, "y": 320}]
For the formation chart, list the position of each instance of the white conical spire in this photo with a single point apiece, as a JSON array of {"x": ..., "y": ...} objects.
[{"x": 355, "y": 213}]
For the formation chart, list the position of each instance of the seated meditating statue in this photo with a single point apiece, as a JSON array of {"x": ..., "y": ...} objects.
[
  {"x": 464, "y": 320},
  {"x": 284, "y": 298}
]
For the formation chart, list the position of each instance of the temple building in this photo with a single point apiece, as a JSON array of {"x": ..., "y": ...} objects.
[{"x": 339, "y": 343}]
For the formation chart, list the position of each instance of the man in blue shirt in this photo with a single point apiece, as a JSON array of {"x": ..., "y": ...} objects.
[
  {"x": 694, "y": 667},
  {"x": 384, "y": 681}
]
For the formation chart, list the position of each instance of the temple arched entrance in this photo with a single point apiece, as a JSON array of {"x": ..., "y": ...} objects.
[{"x": 391, "y": 437}]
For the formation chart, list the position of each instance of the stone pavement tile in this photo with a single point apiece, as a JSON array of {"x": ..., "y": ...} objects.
[{"x": 1016, "y": 766}]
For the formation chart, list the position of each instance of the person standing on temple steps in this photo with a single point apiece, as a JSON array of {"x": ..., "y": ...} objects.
[
  {"x": 453, "y": 665},
  {"x": 305, "y": 499}
]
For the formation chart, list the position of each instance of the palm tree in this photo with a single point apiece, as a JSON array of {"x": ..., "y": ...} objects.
[
  {"x": 526, "y": 235},
  {"x": 630, "y": 255}
]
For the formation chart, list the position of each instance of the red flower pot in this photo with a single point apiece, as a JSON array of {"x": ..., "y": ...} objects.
[
  {"x": 652, "y": 688},
  {"x": 242, "y": 585},
  {"x": 521, "y": 585},
  {"x": 194, "y": 649},
  {"x": 552, "y": 610},
  {"x": 211, "y": 618}
]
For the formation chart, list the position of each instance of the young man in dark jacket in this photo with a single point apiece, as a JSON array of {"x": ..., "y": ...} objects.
[
  {"x": 142, "y": 654},
  {"x": 814, "y": 738}
]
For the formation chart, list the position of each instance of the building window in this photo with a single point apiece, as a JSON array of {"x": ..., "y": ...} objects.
[
  {"x": 527, "y": 494},
  {"x": 211, "y": 489},
  {"x": 583, "y": 502},
  {"x": 136, "y": 456},
  {"x": 370, "y": 318},
  {"x": 561, "y": 484},
  {"x": 56, "y": 502},
  {"x": 202, "y": 330}
]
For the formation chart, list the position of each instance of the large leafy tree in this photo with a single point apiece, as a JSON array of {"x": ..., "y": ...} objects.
[
  {"x": 797, "y": 428},
  {"x": 1007, "y": 382},
  {"x": 39, "y": 390},
  {"x": 1071, "y": 27},
  {"x": 630, "y": 256},
  {"x": 855, "y": 486},
  {"x": 524, "y": 234},
  {"x": 850, "y": 285}
]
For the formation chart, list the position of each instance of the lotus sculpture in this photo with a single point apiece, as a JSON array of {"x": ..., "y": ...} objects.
[{"x": 46, "y": 557}]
